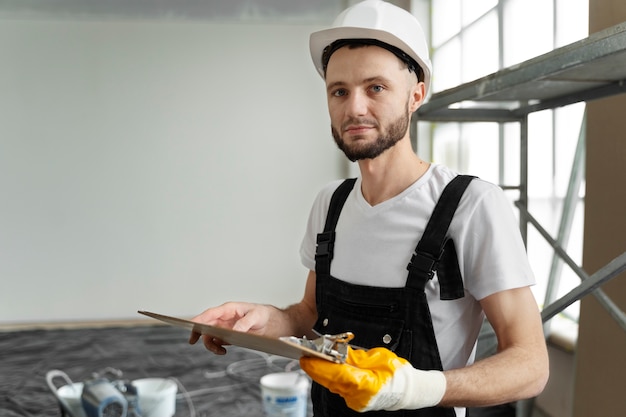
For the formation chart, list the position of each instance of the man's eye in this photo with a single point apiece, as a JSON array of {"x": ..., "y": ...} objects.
[
  {"x": 377, "y": 88},
  {"x": 339, "y": 93}
]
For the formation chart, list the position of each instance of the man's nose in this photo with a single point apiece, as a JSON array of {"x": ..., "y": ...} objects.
[{"x": 357, "y": 104}]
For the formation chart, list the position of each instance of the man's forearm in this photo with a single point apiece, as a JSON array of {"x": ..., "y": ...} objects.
[
  {"x": 295, "y": 320},
  {"x": 510, "y": 375},
  {"x": 298, "y": 319}
]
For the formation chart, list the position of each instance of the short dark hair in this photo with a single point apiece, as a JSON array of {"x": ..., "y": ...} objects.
[{"x": 411, "y": 64}]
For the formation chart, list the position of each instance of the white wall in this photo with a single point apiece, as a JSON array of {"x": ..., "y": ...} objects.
[{"x": 167, "y": 166}]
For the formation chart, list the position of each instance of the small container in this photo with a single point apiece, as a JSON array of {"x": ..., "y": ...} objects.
[
  {"x": 285, "y": 394},
  {"x": 156, "y": 396},
  {"x": 68, "y": 395}
]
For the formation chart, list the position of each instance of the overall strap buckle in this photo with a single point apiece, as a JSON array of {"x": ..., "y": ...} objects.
[
  {"x": 421, "y": 269},
  {"x": 423, "y": 263},
  {"x": 326, "y": 239},
  {"x": 436, "y": 248},
  {"x": 324, "y": 251}
]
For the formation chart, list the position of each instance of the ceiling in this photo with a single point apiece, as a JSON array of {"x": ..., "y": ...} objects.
[{"x": 261, "y": 11}]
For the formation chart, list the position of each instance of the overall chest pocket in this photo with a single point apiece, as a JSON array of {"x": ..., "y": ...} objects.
[{"x": 370, "y": 330}]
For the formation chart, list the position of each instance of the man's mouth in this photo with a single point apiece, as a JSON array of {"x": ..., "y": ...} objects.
[{"x": 357, "y": 129}]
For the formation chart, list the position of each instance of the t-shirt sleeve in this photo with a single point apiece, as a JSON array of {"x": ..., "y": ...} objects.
[{"x": 495, "y": 257}]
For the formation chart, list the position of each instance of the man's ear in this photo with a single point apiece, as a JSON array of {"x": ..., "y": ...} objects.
[{"x": 418, "y": 94}]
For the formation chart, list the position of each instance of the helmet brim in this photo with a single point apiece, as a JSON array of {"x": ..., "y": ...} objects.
[{"x": 318, "y": 41}]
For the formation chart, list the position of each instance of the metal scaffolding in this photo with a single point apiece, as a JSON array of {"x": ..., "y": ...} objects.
[{"x": 590, "y": 69}]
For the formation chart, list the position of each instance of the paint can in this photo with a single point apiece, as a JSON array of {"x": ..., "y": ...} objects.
[{"x": 285, "y": 394}]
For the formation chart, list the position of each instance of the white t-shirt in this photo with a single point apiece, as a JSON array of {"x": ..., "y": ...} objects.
[{"x": 374, "y": 245}]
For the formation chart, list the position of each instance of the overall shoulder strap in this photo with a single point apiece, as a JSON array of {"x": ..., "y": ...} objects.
[
  {"x": 326, "y": 239},
  {"x": 435, "y": 252}
]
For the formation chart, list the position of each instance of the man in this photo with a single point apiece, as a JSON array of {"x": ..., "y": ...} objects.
[{"x": 366, "y": 274}]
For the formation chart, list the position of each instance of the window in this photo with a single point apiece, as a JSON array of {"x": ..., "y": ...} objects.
[{"x": 474, "y": 38}]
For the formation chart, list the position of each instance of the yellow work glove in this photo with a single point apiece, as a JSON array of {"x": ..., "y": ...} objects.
[{"x": 377, "y": 379}]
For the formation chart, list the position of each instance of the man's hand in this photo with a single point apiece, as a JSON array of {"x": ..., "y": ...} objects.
[
  {"x": 377, "y": 379},
  {"x": 242, "y": 317}
]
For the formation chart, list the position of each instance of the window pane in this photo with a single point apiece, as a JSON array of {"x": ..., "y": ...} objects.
[
  {"x": 480, "y": 48},
  {"x": 528, "y": 30},
  {"x": 446, "y": 20},
  {"x": 572, "y": 17},
  {"x": 511, "y": 152},
  {"x": 472, "y": 10},
  {"x": 446, "y": 144},
  {"x": 447, "y": 66},
  {"x": 568, "y": 121},
  {"x": 540, "y": 155},
  {"x": 480, "y": 150}
]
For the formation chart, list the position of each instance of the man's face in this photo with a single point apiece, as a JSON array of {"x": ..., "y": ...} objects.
[{"x": 370, "y": 99}]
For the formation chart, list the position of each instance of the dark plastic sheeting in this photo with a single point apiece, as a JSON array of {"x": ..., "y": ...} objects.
[{"x": 209, "y": 385}]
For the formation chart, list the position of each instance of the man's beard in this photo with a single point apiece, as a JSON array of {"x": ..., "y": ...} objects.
[{"x": 386, "y": 140}]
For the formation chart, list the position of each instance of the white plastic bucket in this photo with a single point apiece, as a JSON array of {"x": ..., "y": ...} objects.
[
  {"x": 285, "y": 394},
  {"x": 156, "y": 396},
  {"x": 69, "y": 395}
]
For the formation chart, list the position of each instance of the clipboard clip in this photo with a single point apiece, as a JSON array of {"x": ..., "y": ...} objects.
[{"x": 335, "y": 345}]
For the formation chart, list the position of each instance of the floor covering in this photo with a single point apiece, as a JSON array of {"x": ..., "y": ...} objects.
[{"x": 209, "y": 385}]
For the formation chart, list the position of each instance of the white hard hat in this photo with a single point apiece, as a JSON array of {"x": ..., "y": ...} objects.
[{"x": 377, "y": 20}]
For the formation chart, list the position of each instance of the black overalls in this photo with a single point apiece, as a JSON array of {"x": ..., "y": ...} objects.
[{"x": 396, "y": 318}]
